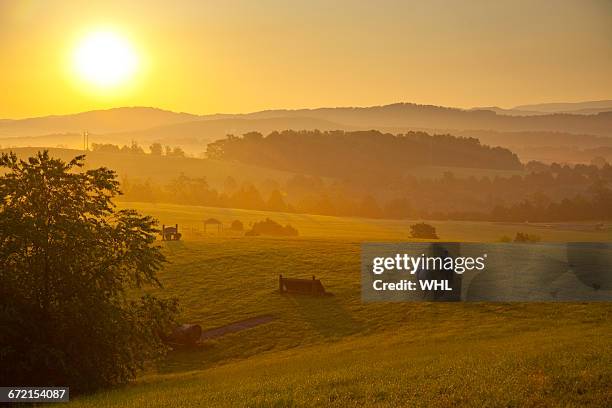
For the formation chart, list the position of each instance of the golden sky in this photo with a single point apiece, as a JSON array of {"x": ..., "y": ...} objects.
[{"x": 242, "y": 56}]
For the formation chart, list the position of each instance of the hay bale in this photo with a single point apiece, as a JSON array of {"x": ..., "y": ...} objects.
[{"x": 186, "y": 334}]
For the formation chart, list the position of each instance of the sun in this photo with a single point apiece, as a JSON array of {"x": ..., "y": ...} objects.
[{"x": 105, "y": 59}]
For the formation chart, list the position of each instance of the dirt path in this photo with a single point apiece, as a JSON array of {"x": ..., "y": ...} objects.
[{"x": 236, "y": 326}]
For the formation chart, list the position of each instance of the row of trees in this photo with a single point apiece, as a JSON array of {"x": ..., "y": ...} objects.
[
  {"x": 156, "y": 149},
  {"x": 196, "y": 191},
  {"x": 597, "y": 205},
  {"x": 555, "y": 195}
]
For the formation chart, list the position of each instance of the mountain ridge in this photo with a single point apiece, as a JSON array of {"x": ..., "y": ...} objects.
[
  {"x": 137, "y": 118},
  {"x": 147, "y": 125},
  {"x": 568, "y": 107}
]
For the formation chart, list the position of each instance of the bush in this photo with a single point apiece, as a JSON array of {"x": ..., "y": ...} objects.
[
  {"x": 505, "y": 239},
  {"x": 526, "y": 238},
  {"x": 71, "y": 270},
  {"x": 269, "y": 227},
  {"x": 237, "y": 225},
  {"x": 423, "y": 231}
]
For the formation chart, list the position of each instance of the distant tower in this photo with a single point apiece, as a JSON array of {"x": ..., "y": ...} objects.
[{"x": 85, "y": 141}]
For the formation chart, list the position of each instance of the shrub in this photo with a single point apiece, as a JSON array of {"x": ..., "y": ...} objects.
[
  {"x": 525, "y": 237},
  {"x": 269, "y": 227},
  {"x": 423, "y": 231},
  {"x": 237, "y": 225}
]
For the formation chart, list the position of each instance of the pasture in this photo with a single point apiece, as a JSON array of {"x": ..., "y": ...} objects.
[
  {"x": 338, "y": 351},
  {"x": 361, "y": 229}
]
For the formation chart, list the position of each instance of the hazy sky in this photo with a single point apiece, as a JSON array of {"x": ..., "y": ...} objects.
[{"x": 240, "y": 56}]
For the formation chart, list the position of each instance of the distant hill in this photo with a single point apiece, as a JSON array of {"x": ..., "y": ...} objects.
[
  {"x": 66, "y": 140},
  {"x": 192, "y": 136},
  {"x": 98, "y": 121},
  {"x": 590, "y": 107},
  {"x": 509, "y": 112},
  {"x": 201, "y": 132},
  {"x": 578, "y": 108},
  {"x": 519, "y": 128},
  {"x": 438, "y": 117},
  {"x": 405, "y": 115},
  {"x": 535, "y": 138}
]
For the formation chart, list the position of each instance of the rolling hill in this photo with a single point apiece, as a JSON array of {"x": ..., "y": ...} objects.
[
  {"x": 163, "y": 169},
  {"x": 590, "y": 107},
  {"x": 399, "y": 115},
  {"x": 98, "y": 121},
  {"x": 576, "y": 108},
  {"x": 197, "y": 134},
  {"x": 407, "y": 115},
  {"x": 518, "y": 129},
  {"x": 336, "y": 350}
]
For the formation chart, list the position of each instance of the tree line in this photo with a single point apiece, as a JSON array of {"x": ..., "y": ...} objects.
[
  {"x": 546, "y": 193},
  {"x": 155, "y": 149},
  {"x": 343, "y": 154}
]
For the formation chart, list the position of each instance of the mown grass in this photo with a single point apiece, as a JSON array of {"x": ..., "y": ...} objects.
[
  {"x": 502, "y": 358},
  {"x": 190, "y": 220},
  {"x": 339, "y": 351}
]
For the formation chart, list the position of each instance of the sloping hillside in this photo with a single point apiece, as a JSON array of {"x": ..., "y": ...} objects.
[
  {"x": 338, "y": 350},
  {"x": 514, "y": 129},
  {"x": 499, "y": 361},
  {"x": 399, "y": 115},
  {"x": 162, "y": 169},
  {"x": 436, "y": 117},
  {"x": 99, "y": 121},
  {"x": 201, "y": 132},
  {"x": 588, "y": 107}
]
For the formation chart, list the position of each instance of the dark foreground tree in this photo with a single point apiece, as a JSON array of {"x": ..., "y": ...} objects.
[{"x": 73, "y": 270}]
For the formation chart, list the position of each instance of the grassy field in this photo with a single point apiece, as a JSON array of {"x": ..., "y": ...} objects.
[
  {"x": 162, "y": 169},
  {"x": 496, "y": 362},
  {"x": 339, "y": 351},
  {"x": 191, "y": 220}
]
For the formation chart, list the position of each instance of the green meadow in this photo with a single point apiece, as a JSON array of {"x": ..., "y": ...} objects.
[
  {"x": 191, "y": 218},
  {"x": 339, "y": 351}
]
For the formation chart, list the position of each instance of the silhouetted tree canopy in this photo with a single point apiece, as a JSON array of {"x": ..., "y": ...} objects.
[
  {"x": 237, "y": 225},
  {"x": 71, "y": 272},
  {"x": 341, "y": 154}
]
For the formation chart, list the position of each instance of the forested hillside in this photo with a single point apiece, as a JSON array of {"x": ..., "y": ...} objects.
[{"x": 343, "y": 154}]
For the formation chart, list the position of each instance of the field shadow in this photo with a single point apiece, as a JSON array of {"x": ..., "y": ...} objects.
[{"x": 325, "y": 314}]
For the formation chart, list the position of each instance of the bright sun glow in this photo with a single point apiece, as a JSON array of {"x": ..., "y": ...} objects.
[{"x": 105, "y": 59}]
